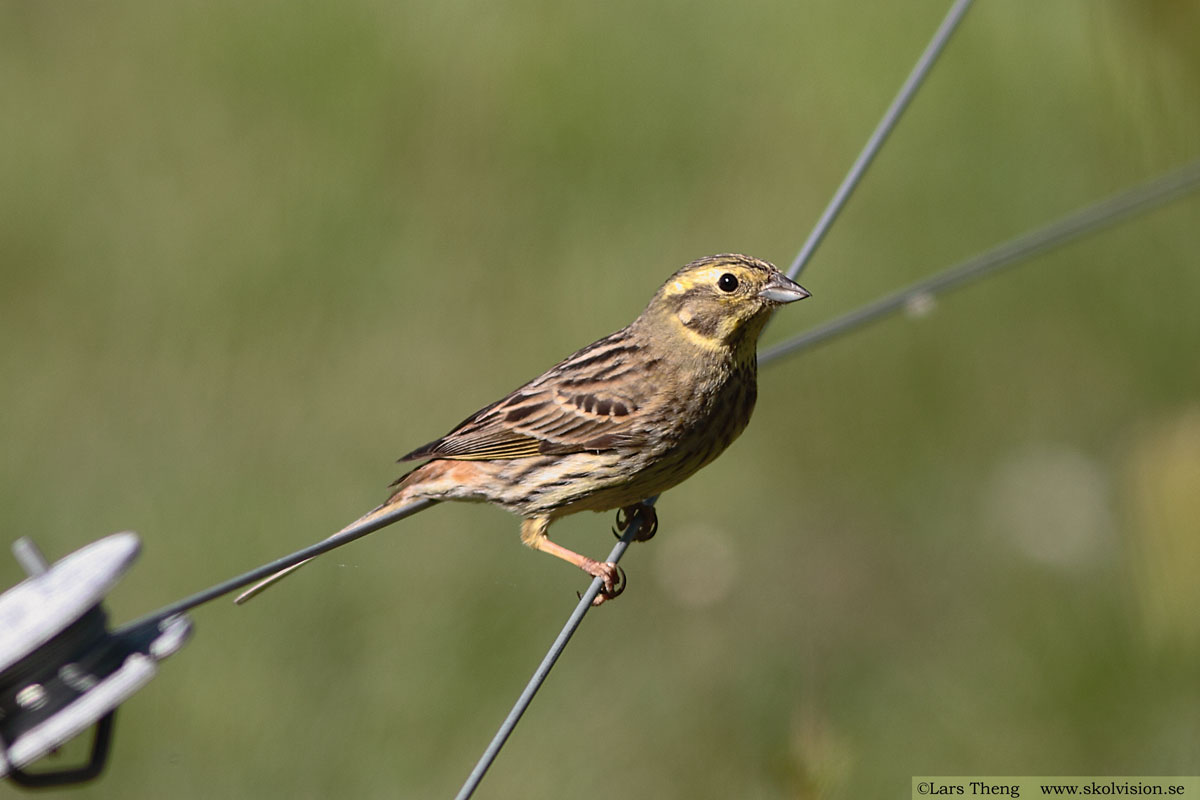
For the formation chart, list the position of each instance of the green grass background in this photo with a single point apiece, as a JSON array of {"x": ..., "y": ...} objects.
[{"x": 252, "y": 252}]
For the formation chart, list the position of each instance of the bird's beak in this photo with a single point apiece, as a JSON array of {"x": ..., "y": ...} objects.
[{"x": 782, "y": 289}]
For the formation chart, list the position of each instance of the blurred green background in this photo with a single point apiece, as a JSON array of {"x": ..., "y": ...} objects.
[{"x": 250, "y": 253}]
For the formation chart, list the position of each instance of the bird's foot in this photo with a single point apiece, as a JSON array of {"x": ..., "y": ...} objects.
[
  {"x": 613, "y": 577},
  {"x": 647, "y": 522}
]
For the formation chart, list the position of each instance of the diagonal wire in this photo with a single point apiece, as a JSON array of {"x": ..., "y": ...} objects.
[
  {"x": 543, "y": 670},
  {"x": 1109, "y": 211},
  {"x": 1104, "y": 213},
  {"x": 907, "y": 91},
  {"x": 891, "y": 116},
  {"x": 266, "y": 570}
]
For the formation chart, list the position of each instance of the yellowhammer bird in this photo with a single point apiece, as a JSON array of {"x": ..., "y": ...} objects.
[{"x": 623, "y": 419}]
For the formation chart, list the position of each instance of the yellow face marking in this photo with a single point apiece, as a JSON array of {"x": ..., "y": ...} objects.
[
  {"x": 690, "y": 280},
  {"x": 729, "y": 311},
  {"x": 711, "y": 275},
  {"x": 695, "y": 336}
]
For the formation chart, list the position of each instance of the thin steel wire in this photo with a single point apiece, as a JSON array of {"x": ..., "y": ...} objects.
[
  {"x": 907, "y": 91},
  {"x": 1113, "y": 209},
  {"x": 1105, "y": 213},
  {"x": 874, "y": 143},
  {"x": 266, "y": 570},
  {"x": 1116, "y": 208},
  {"x": 543, "y": 670}
]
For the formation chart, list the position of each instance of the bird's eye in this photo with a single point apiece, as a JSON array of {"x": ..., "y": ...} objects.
[{"x": 727, "y": 282}]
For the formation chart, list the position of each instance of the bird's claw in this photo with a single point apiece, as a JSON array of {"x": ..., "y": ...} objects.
[
  {"x": 614, "y": 582},
  {"x": 648, "y": 526}
]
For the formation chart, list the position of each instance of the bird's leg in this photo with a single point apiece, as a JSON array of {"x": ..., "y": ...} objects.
[
  {"x": 649, "y": 522},
  {"x": 534, "y": 534}
]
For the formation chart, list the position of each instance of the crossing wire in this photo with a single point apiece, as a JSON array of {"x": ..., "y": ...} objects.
[
  {"x": 907, "y": 91},
  {"x": 1118, "y": 207}
]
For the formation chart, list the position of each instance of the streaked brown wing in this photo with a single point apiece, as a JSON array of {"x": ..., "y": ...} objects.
[{"x": 574, "y": 407}]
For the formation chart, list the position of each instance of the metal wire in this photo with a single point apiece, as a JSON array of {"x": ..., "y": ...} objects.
[
  {"x": 890, "y": 117},
  {"x": 1104, "y": 213},
  {"x": 907, "y": 91},
  {"x": 543, "y": 670},
  {"x": 874, "y": 143},
  {"x": 1109, "y": 211},
  {"x": 266, "y": 570}
]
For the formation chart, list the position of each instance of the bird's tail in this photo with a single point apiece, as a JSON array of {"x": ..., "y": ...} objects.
[{"x": 398, "y": 499}]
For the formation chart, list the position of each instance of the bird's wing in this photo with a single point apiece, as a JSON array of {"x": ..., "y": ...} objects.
[{"x": 587, "y": 402}]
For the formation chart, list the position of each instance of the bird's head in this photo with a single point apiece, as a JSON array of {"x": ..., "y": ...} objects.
[{"x": 722, "y": 301}]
